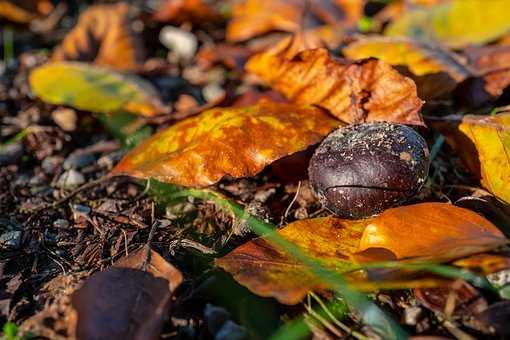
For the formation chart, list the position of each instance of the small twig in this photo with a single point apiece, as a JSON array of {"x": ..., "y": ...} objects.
[
  {"x": 284, "y": 217},
  {"x": 149, "y": 239}
]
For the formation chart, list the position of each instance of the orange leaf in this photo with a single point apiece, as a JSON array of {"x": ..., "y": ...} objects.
[
  {"x": 181, "y": 11},
  {"x": 24, "y": 11},
  {"x": 104, "y": 36},
  {"x": 434, "y": 231},
  {"x": 251, "y": 18},
  {"x": 220, "y": 142},
  {"x": 435, "y": 71},
  {"x": 361, "y": 91}
]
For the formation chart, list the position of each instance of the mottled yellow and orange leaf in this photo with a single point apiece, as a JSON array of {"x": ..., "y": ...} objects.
[{"x": 236, "y": 142}]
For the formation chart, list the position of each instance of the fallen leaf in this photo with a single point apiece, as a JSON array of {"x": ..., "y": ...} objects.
[
  {"x": 126, "y": 301},
  {"x": 104, "y": 36},
  {"x": 236, "y": 142},
  {"x": 181, "y": 11},
  {"x": 251, "y": 18},
  {"x": 436, "y": 232},
  {"x": 442, "y": 232},
  {"x": 269, "y": 271},
  {"x": 485, "y": 263},
  {"x": 24, "y": 11},
  {"x": 232, "y": 56},
  {"x": 435, "y": 70},
  {"x": 446, "y": 22},
  {"x": 94, "y": 88},
  {"x": 354, "y": 92},
  {"x": 483, "y": 144},
  {"x": 491, "y": 67}
]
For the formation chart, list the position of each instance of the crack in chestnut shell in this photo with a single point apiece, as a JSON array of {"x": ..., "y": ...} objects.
[{"x": 361, "y": 170}]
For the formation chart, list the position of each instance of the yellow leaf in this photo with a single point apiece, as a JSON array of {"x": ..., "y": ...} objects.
[
  {"x": 220, "y": 142},
  {"x": 435, "y": 71},
  {"x": 457, "y": 24},
  {"x": 93, "y": 88},
  {"x": 491, "y": 137},
  {"x": 24, "y": 11}
]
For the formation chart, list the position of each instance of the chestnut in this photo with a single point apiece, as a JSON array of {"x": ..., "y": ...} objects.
[{"x": 361, "y": 170}]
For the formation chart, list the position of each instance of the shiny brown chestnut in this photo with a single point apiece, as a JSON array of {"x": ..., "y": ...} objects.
[{"x": 361, "y": 170}]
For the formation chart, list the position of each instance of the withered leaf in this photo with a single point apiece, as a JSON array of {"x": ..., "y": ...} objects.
[
  {"x": 354, "y": 92},
  {"x": 181, "y": 11},
  {"x": 94, "y": 88},
  {"x": 483, "y": 143},
  {"x": 125, "y": 301},
  {"x": 251, "y": 18},
  {"x": 446, "y": 22},
  {"x": 435, "y": 70},
  {"x": 104, "y": 36},
  {"x": 24, "y": 11},
  {"x": 436, "y": 232},
  {"x": 491, "y": 68},
  {"x": 236, "y": 142}
]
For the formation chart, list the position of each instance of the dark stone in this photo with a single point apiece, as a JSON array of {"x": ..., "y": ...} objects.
[{"x": 361, "y": 170}]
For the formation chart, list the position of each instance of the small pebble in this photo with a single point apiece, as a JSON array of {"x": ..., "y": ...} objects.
[
  {"x": 182, "y": 43},
  {"x": 60, "y": 224},
  {"x": 50, "y": 164},
  {"x": 10, "y": 153},
  {"x": 65, "y": 118},
  {"x": 70, "y": 179},
  {"x": 10, "y": 240}
]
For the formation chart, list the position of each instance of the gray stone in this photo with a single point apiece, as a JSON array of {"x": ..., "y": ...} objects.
[
  {"x": 10, "y": 240},
  {"x": 231, "y": 331},
  {"x": 10, "y": 153},
  {"x": 70, "y": 179},
  {"x": 78, "y": 160}
]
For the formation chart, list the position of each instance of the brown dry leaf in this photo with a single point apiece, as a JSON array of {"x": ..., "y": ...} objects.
[
  {"x": 437, "y": 232},
  {"x": 436, "y": 71},
  {"x": 483, "y": 143},
  {"x": 491, "y": 65},
  {"x": 236, "y": 142},
  {"x": 126, "y": 301},
  {"x": 251, "y": 18},
  {"x": 181, "y": 11},
  {"x": 460, "y": 298},
  {"x": 354, "y": 92},
  {"x": 24, "y": 11},
  {"x": 104, "y": 36}
]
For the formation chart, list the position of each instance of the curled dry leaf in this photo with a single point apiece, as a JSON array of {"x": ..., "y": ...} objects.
[
  {"x": 24, "y": 11},
  {"x": 446, "y": 22},
  {"x": 181, "y": 11},
  {"x": 435, "y": 70},
  {"x": 94, "y": 88},
  {"x": 491, "y": 67},
  {"x": 220, "y": 142},
  {"x": 483, "y": 143},
  {"x": 251, "y": 18},
  {"x": 485, "y": 263},
  {"x": 433, "y": 231},
  {"x": 134, "y": 300},
  {"x": 104, "y": 36},
  {"x": 354, "y": 92}
]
